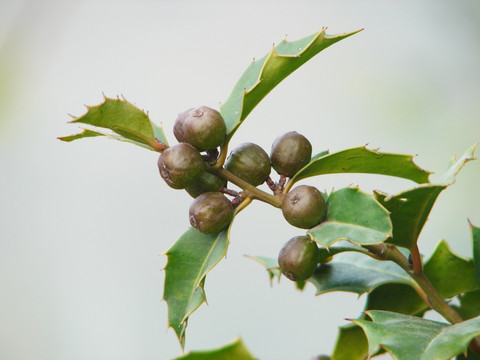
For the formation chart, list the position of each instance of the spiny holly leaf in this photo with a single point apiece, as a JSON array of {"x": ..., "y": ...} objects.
[
  {"x": 271, "y": 265},
  {"x": 264, "y": 74},
  {"x": 235, "y": 350},
  {"x": 189, "y": 260},
  {"x": 128, "y": 122},
  {"x": 404, "y": 337},
  {"x": 363, "y": 160},
  {"x": 355, "y": 272},
  {"x": 449, "y": 273},
  {"x": 409, "y": 209},
  {"x": 452, "y": 340},
  {"x": 355, "y": 216},
  {"x": 476, "y": 249},
  {"x": 351, "y": 344},
  {"x": 469, "y": 304}
]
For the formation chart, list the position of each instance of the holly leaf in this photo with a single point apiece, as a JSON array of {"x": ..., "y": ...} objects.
[
  {"x": 235, "y": 350},
  {"x": 362, "y": 160},
  {"x": 355, "y": 216},
  {"x": 264, "y": 74},
  {"x": 469, "y": 306},
  {"x": 409, "y": 209},
  {"x": 351, "y": 344},
  {"x": 396, "y": 297},
  {"x": 476, "y": 249},
  {"x": 270, "y": 264},
  {"x": 189, "y": 260},
  {"x": 127, "y": 122},
  {"x": 404, "y": 337},
  {"x": 452, "y": 340},
  {"x": 355, "y": 272}
]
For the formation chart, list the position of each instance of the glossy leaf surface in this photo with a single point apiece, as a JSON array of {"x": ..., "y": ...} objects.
[
  {"x": 358, "y": 273},
  {"x": 236, "y": 350},
  {"x": 128, "y": 122},
  {"x": 469, "y": 306},
  {"x": 404, "y": 337},
  {"x": 189, "y": 260},
  {"x": 264, "y": 74},
  {"x": 355, "y": 216},
  {"x": 409, "y": 209},
  {"x": 363, "y": 160}
]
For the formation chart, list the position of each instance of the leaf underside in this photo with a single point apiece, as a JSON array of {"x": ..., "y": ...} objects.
[
  {"x": 127, "y": 122},
  {"x": 264, "y": 74},
  {"x": 235, "y": 350},
  {"x": 189, "y": 260}
]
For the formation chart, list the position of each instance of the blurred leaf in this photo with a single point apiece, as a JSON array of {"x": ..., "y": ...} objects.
[
  {"x": 236, "y": 350},
  {"x": 409, "y": 209},
  {"x": 264, "y": 74},
  {"x": 449, "y": 273},
  {"x": 126, "y": 120},
  {"x": 357, "y": 273},
  {"x": 270, "y": 264},
  {"x": 363, "y": 160},
  {"x": 396, "y": 297},
  {"x": 189, "y": 260},
  {"x": 351, "y": 344},
  {"x": 476, "y": 249},
  {"x": 404, "y": 337},
  {"x": 469, "y": 304},
  {"x": 355, "y": 216},
  {"x": 452, "y": 340}
]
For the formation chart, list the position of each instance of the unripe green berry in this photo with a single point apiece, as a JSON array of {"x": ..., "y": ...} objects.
[
  {"x": 210, "y": 213},
  {"x": 180, "y": 165},
  {"x": 298, "y": 258},
  {"x": 202, "y": 127},
  {"x": 249, "y": 162},
  {"x": 207, "y": 182},
  {"x": 304, "y": 207},
  {"x": 290, "y": 152}
]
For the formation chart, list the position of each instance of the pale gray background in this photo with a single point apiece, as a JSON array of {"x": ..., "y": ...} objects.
[{"x": 83, "y": 225}]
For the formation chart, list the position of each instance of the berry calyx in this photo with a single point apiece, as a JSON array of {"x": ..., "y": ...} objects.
[
  {"x": 298, "y": 258},
  {"x": 290, "y": 152},
  {"x": 201, "y": 127},
  {"x": 249, "y": 162},
  {"x": 180, "y": 165},
  {"x": 304, "y": 207},
  {"x": 207, "y": 182},
  {"x": 210, "y": 213}
]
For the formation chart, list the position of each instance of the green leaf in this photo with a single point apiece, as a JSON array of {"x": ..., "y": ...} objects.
[
  {"x": 129, "y": 122},
  {"x": 452, "y": 340},
  {"x": 235, "y": 350},
  {"x": 409, "y": 209},
  {"x": 264, "y": 74},
  {"x": 449, "y": 273},
  {"x": 355, "y": 272},
  {"x": 271, "y": 265},
  {"x": 189, "y": 260},
  {"x": 363, "y": 160},
  {"x": 355, "y": 216},
  {"x": 469, "y": 304},
  {"x": 351, "y": 344},
  {"x": 476, "y": 249},
  {"x": 404, "y": 337}
]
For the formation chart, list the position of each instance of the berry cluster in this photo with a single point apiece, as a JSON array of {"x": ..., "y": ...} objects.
[{"x": 193, "y": 165}]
